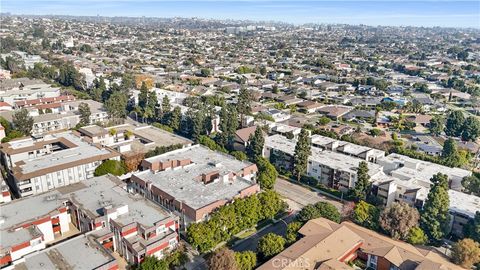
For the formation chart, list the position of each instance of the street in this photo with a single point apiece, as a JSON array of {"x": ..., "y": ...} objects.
[{"x": 298, "y": 197}]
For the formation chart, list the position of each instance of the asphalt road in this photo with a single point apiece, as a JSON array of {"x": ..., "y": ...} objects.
[{"x": 298, "y": 196}]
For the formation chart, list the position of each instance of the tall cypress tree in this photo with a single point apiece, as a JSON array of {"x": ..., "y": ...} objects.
[
  {"x": 434, "y": 219},
  {"x": 302, "y": 152},
  {"x": 362, "y": 186},
  {"x": 255, "y": 146}
]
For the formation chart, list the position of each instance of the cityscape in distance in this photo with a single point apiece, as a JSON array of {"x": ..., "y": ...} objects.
[{"x": 240, "y": 135}]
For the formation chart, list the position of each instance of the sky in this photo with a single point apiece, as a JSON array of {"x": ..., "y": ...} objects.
[{"x": 445, "y": 13}]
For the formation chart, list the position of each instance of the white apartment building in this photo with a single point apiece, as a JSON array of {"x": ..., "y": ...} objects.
[
  {"x": 13, "y": 90},
  {"x": 39, "y": 165}
]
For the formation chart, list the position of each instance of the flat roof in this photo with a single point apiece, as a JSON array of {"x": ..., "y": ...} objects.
[
  {"x": 183, "y": 183},
  {"x": 92, "y": 195},
  {"x": 464, "y": 203},
  {"x": 81, "y": 252},
  {"x": 331, "y": 159},
  {"x": 81, "y": 151}
]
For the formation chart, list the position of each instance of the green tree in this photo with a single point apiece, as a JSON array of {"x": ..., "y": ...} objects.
[
  {"x": 472, "y": 228},
  {"x": 152, "y": 263},
  {"x": 398, "y": 220},
  {"x": 246, "y": 260},
  {"x": 466, "y": 253},
  {"x": 454, "y": 125},
  {"x": 416, "y": 236},
  {"x": 436, "y": 125},
  {"x": 362, "y": 185},
  {"x": 270, "y": 203},
  {"x": 22, "y": 121},
  {"x": 222, "y": 259},
  {"x": 174, "y": 119},
  {"x": 292, "y": 231},
  {"x": 116, "y": 105},
  {"x": 267, "y": 174},
  {"x": 471, "y": 129},
  {"x": 302, "y": 152},
  {"x": 450, "y": 154},
  {"x": 434, "y": 218},
  {"x": 307, "y": 213},
  {"x": 244, "y": 104},
  {"x": 366, "y": 215},
  {"x": 254, "y": 148},
  {"x": 471, "y": 184},
  {"x": 114, "y": 167},
  {"x": 239, "y": 155},
  {"x": 270, "y": 245},
  {"x": 143, "y": 96},
  {"x": 166, "y": 107},
  {"x": 84, "y": 110},
  {"x": 320, "y": 209}
]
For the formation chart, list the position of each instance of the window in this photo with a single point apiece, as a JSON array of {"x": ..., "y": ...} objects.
[{"x": 372, "y": 261}]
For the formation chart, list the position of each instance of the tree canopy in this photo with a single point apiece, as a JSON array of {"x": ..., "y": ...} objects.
[
  {"x": 270, "y": 245},
  {"x": 302, "y": 152},
  {"x": 398, "y": 220}
]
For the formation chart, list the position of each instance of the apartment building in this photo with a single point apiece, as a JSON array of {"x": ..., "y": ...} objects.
[
  {"x": 194, "y": 181},
  {"x": 101, "y": 208},
  {"x": 52, "y": 117},
  {"x": 13, "y": 90},
  {"x": 5, "y": 195},
  {"x": 130, "y": 140},
  {"x": 329, "y": 245},
  {"x": 43, "y": 103},
  {"x": 38, "y": 165},
  {"x": 329, "y": 168},
  {"x": 80, "y": 252}
]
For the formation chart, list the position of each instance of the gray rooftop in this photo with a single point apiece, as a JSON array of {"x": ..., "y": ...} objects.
[
  {"x": 183, "y": 183},
  {"x": 83, "y": 150},
  {"x": 81, "y": 252}
]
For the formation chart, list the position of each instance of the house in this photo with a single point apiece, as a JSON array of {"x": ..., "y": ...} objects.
[
  {"x": 325, "y": 244},
  {"x": 359, "y": 115},
  {"x": 242, "y": 137},
  {"x": 308, "y": 106},
  {"x": 334, "y": 112}
]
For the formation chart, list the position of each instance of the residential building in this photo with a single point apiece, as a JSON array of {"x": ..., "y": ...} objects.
[
  {"x": 194, "y": 181},
  {"x": 328, "y": 245},
  {"x": 13, "y": 90},
  {"x": 40, "y": 164}
]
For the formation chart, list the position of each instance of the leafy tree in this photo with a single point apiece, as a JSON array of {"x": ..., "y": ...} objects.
[
  {"x": 205, "y": 72},
  {"x": 292, "y": 231},
  {"x": 267, "y": 174},
  {"x": 143, "y": 96},
  {"x": 454, "y": 125},
  {"x": 362, "y": 185},
  {"x": 254, "y": 148},
  {"x": 328, "y": 211},
  {"x": 466, "y": 253},
  {"x": 222, "y": 259},
  {"x": 302, "y": 152},
  {"x": 471, "y": 129},
  {"x": 399, "y": 219},
  {"x": 436, "y": 125},
  {"x": 114, "y": 167},
  {"x": 434, "y": 218},
  {"x": 416, "y": 236},
  {"x": 205, "y": 140},
  {"x": 270, "y": 203},
  {"x": 366, "y": 215},
  {"x": 450, "y": 154},
  {"x": 84, "y": 110},
  {"x": 472, "y": 228},
  {"x": 246, "y": 260},
  {"x": 320, "y": 209},
  {"x": 244, "y": 103},
  {"x": 239, "y": 155},
  {"x": 471, "y": 184},
  {"x": 307, "y": 213},
  {"x": 152, "y": 263},
  {"x": 270, "y": 245},
  {"x": 22, "y": 121},
  {"x": 116, "y": 105}
]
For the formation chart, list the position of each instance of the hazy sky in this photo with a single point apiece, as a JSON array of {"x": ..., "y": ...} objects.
[{"x": 386, "y": 12}]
